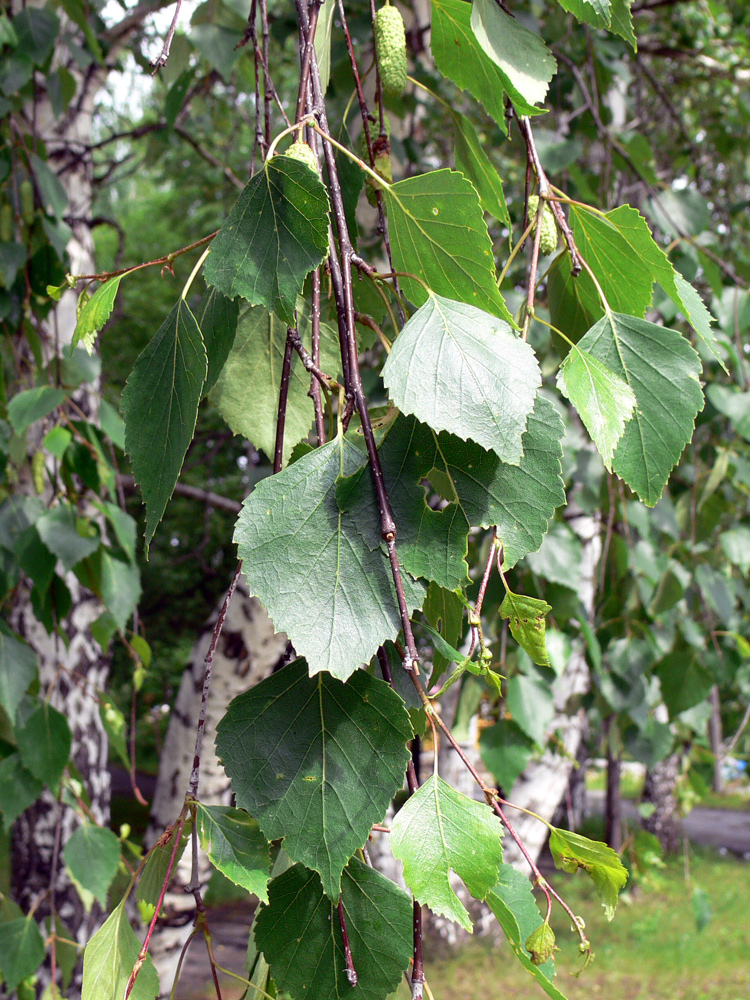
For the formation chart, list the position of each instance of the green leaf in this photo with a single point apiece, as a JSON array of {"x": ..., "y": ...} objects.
[
  {"x": 526, "y": 619},
  {"x": 12, "y": 258},
  {"x": 571, "y": 851},
  {"x": 154, "y": 873},
  {"x": 735, "y": 544},
  {"x": 120, "y": 587},
  {"x": 17, "y": 671},
  {"x": 506, "y": 751},
  {"x": 541, "y": 944},
  {"x": 112, "y": 424},
  {"x": 65, "y": 534},
  {"x": 627, "y": 261},
  {"x": 44, "y": 743},
  {"x": 530, "y": 702},
  {"x": 459, "y": 57},
  {"x": 36, "y": 29},
  {"x": 95, "y": 314},
  {"x": 622, "y": 21},
  {"x": 323, "y": 33},
  {"x": 702, "y": 909},
  {"x": 109, "y": 959},
  {"x": 515, "y": 890},
  {"x": 276, "y": 233},
  {"x": 474, "y": 163},
  {"x": 66, "y": 953},
  {"x": 662, "y": 369},
  {"x": 300, "y": 934},
  {"x": 21, "y": 950},
  {"x": 18, "y": 789},
  {"x": 92, "y": 856},
  {"x": 439, "y": 830},
  {"x": 32, "y": 404},
  {"x": 339, "y": 624},
  {"x": 114, "y": 723},
  {"x": 603, "y": 400},
  {"x": 524, "y": 61},
  {"x": 322, "y": 782},
  {"x": 481, "y": 490},
  {"x": 160, "y": 406},
  {"x": 460, "y": 369},
  {"x": 597, "y": 13},
  {"x": 217, "y": 319},
  {"x": 53, "y": 195},
  {"x": 444, "y": 610},
  {"x": 438, "y": 232},
  {"x": 235, "y": 846},
  {"x": 685, "y": 681},
  {"x": 507, "y": 920},
  {"x": 247, "y": 391}
]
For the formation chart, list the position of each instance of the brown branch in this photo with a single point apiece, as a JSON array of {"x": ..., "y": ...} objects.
[{"x": 207, "y": 497}]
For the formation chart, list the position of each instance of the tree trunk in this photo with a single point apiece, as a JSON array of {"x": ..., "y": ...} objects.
[
  {"x": 659, "y": 789},
  {"x": 613, "y": 802},
  {"x": 248, "y": 651},
  {"x": 715, "y": 736}
]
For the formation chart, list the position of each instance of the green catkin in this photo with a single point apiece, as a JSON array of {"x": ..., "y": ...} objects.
[
  {"x": 390, "y": 49},
  {"x": 37, "y": 471},
  {"x": 548, "y": 239},
  {"x": 302, "y": 152},
  {"x": 6, "y": 223},
  {"x": 26, "y": 193}
]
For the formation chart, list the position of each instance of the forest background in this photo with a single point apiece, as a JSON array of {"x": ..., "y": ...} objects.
[{"x": 646, "y": 654}]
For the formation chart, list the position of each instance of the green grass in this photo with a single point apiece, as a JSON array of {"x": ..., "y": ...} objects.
[
  {"x": 652, "y": 950},
  {"x": 631, "y": 787}
]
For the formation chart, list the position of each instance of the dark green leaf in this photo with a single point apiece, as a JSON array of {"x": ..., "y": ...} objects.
[
  {"x": 109, "y": 959},
  {"x": 662, "y": 369},
  {"x": 507, "y": 920},
  {"x": 526, "y": 618},
  {"x": 322, "y": 782},
  {"x": 622, "y": 21},
  {"x": 444, "y": 610},
  {"x": 21, "y": 950},
  {"x": 33, "y": 404},
  {"x": 160, "y": 406},
  {"x": 36, "y": 29},
  {"x": 247, "y": 391},
  {"x": 274, "y": 236},
  {"x": 460, "y": 369},
  {"x": 53, "y": 195},
  {"x": 18, "y": 789},
  {"x": 112, "y": 424},
  {"x": 685, "y": 681},
  {"x": 514, "y": 889},
  {"x": 439, "y": 830},
  {"x": 299, "y": 934},
  {"x": 597, "y": 13},
  {"x": 95, "y": 313},
  {"x": 506, "y": 751},
  {"x": 92, "y": 856},
  {"x": 339, "y": 624},
  {"x": 67, "y": 535},
  {"x": 120, "y": 587},
  {"x": 531, "y": 705},
  {"x": 217, "y": 319},
  {"x": 702, "y": 909},
  {"x": 44, "y": 743},
  {"x": 603, "y": 400},
  {"x": 571, "y": 851},
  {"x": 152, "y": 878},
  {"x": 459, "y": 57},
  {"x": 17, "y": 671},
  {"x": 235, "y": 845},
  {"x": 474, "y": 163},
  {"x": 438, "y": 232},
  {"x": 482, "y": 490},
  {"x": 525, "y": 63},
  {"x": 12, "y": 258}
]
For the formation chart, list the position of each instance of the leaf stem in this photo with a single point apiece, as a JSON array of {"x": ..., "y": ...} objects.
[{"x": 198, "y": 265}]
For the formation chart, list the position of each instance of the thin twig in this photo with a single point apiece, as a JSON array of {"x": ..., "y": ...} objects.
[
  {"x": 351, "y": 972},
  {"x": 286, "y": 374},
  {"x": 161, "y": 59}
]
